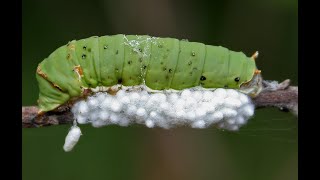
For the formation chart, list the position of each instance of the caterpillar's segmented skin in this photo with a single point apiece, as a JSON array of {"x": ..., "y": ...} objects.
[{"x": 159, "y": 63}]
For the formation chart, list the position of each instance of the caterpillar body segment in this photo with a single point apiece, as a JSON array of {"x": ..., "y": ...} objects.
[
  {"x": 111, "y": 49},
  {"x": 136, "y": 60},
  {"x": 87, "y": 53},
  {"x": 159, "y": 63},
  {"x": 163, "y": 63},
  {"x": 190, "y": 65},
  {"x": 216, "y": 65}
]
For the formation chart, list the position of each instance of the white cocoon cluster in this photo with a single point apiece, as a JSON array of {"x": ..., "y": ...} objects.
[
  {"x": 72, "y": 138},
  {"x": 195, "y": 107}
]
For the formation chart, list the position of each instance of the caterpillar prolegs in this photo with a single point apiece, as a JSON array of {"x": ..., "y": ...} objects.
[{"x": 129, "y": 60}]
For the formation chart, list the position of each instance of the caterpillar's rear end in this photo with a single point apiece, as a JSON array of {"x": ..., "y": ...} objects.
[{"x": 159, "y": 63}]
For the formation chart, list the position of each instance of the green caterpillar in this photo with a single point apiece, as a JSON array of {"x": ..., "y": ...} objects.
[{"x": 159, "y": 63}]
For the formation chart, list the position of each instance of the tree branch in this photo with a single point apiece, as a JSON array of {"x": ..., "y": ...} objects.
[{"x": 279, "y": 95}]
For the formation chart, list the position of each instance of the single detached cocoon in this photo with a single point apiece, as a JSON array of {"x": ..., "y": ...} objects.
[{"x": 72, "y": 138}]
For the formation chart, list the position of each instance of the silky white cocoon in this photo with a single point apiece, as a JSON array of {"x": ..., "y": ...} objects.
[
  {"x": 215, "y": 117},
  {"x": 149, "y": 123},
  {"x": 98, "y": 124},
  {"x": 83, "y": 107},
  {"x": 116, "y": 106},
  {"x": 82, "y": 119},
  {"x": 72, "y": 138},
  {"x": 198, "y": 124}
]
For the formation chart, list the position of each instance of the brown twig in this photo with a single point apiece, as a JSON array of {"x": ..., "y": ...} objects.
[
  {"x": 274, "y": 94},
  {"x": 282, "y": 96}
]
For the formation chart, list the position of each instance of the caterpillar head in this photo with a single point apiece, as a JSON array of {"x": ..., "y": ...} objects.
[{"x": 254, "y": 86}]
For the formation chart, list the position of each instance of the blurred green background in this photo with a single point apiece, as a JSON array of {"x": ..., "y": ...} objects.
[{"x": 266, "y": 148}]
